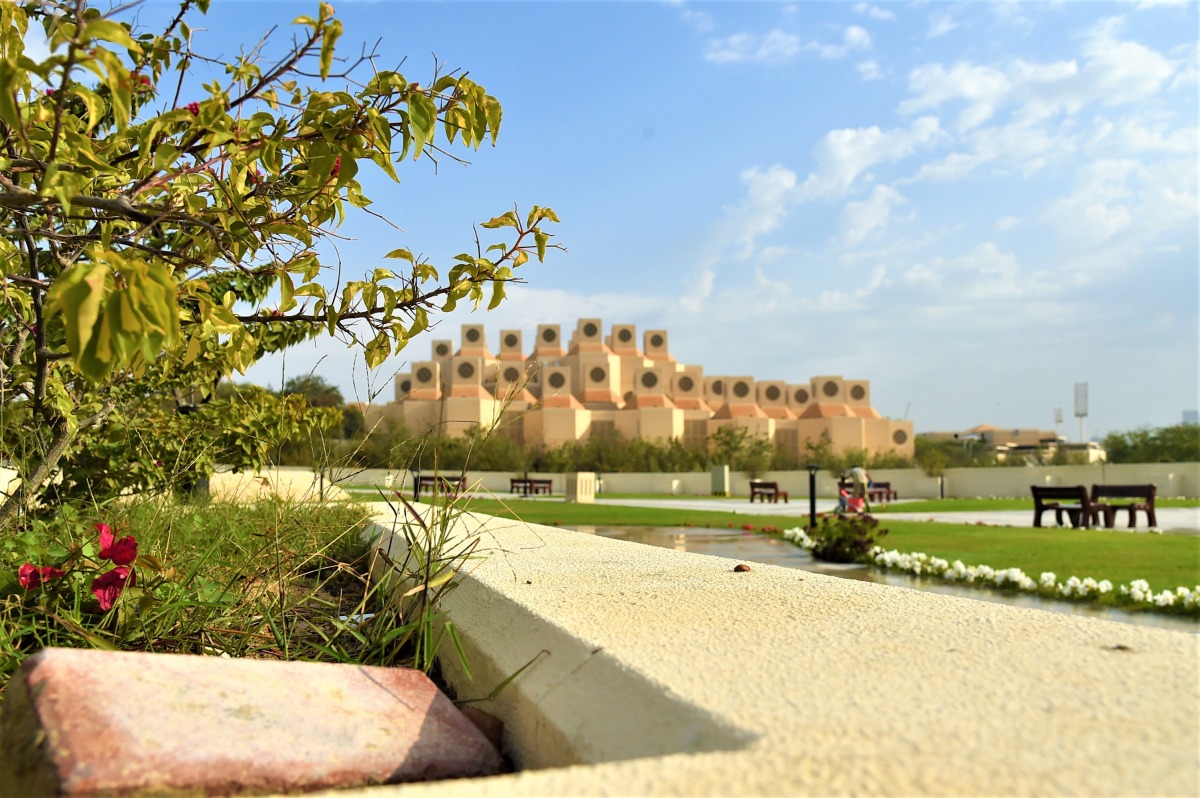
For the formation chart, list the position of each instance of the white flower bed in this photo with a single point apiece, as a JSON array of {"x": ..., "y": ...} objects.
[{"x": 920, "y": 564}]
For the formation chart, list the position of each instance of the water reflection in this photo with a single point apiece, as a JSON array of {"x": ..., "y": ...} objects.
[{"x": 737, "y": 544}]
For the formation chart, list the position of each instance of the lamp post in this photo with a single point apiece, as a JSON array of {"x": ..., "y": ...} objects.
[
  {"x": 416, "y": 472},
  {"x": 813, "y": 468}
]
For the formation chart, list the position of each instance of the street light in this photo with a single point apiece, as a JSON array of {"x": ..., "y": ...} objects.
[{"x": 813, "y": 468}]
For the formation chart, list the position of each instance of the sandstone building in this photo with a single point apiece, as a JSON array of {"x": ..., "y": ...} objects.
[{"x": 557, "y": 392}]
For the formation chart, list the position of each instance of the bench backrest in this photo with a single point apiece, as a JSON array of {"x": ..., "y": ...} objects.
[
  {"x": 1043, "y": 492},
  {"x": 1144, "y": 492},
  {"x": 759, "y": 484}
]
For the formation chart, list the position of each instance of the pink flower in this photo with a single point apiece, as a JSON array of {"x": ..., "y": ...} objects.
[
  {"x": 32, "y": 577},
  {"x": 107, "y": 587},
  {"x": 122, "y": 551},
  {"x": 194, "y": 108}
]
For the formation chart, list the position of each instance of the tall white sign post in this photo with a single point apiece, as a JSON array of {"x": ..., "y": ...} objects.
[{"x": 1081, "y": 403}]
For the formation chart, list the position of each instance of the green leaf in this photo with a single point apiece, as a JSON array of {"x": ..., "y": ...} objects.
[
  {"x": 507, "y": 220},
  {"x": 422, "y": 117},
  {"x": 541, "y": 238},
  {"x": 78, "y": 293},
  {"x": 332, "y": 31},
  {"x": 109, "y": 31}
]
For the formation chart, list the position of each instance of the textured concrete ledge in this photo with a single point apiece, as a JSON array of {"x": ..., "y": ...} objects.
[{"x": 668, "y": 673}]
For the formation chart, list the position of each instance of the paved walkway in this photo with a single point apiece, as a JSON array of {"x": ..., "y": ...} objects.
[{"x": 1170, "y": 519}]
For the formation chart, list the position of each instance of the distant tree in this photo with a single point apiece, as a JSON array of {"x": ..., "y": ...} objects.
[
  {"x": 316, "y": 390},
  {"x": 1175, "y": 444}
]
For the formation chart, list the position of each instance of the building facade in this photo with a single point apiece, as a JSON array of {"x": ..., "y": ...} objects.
[{"x": 550, "y": 391}]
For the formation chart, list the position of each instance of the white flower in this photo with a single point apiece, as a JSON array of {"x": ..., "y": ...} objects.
[{"x": 1047, "y": 580}]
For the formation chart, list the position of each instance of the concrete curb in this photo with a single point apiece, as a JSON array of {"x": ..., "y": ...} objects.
[{"x": 779, "y": 682}]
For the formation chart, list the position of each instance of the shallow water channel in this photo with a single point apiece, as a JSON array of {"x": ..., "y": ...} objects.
[{"x": 736, "y": 544}]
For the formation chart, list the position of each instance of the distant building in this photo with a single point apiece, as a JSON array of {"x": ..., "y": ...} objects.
[
  {"x": 547, "y": 394},
  {"x": 1191, "y": 417},
  {"x": 1033, "y": 444}
]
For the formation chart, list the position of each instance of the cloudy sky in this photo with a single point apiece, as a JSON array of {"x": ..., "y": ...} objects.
[{"x": 973, "y": 205}]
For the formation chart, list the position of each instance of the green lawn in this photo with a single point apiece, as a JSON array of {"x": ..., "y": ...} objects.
[{"x": 1165, "y": 561}]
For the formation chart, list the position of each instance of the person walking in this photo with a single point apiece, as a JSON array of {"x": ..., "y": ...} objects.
[{"x": 860, "y": 481}]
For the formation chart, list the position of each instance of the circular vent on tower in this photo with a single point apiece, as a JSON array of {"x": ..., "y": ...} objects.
[
  {"x": 649, "y": 379},
  {"x": 442, "y": 349},
  {"x": 772, "y": 393},
  {"x": 557, "y": 380},
  {"x": 686, "y": 384},
  {"x": 718, "y": 387},
  {"x": 466, "y": 370},
  {"x": 740, "y": 389},
  {"x": 510, "y": 340},
  {"x": 405, "y": 386},
  {"x": 597, "y": 374},
  {"x": 424, "y": 374},
  {"x": 858, "y": 392},
  {"x": 590, "y": 330},
  {"x": 830, "y": 388},
  {"x": 511, "y": 374},
  {"x": 657, "y": 340},
  {"x": 473, "y": 335},
  {"x": 625, "y": 336},
  {"x": 549, "y": 335},
  {"x": 899, "y": 437},
  {"x": 801, "y": 396}
]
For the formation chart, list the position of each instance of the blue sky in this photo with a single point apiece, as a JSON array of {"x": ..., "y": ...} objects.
[{"x": 973, "y": 205}]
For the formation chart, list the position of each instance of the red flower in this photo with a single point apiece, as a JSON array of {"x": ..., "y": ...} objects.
[
  {"x": 194, "y": 108},
  {"x": 337, "y": 168},
  {"x": 748, "y": 527},
  {"x": 107, "y": 587},
  {"x": 32, "y": 577},
  {"x": 121, "y": 552}
]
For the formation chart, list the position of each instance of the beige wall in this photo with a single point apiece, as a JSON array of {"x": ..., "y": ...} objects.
[{"x": 1173, "y": 479}]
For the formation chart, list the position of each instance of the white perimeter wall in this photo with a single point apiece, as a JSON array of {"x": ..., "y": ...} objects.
[{"x": 1173, "y": 479}]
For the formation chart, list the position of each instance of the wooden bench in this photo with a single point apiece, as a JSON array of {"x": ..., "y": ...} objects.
[
  {"x": 443, "y": 484},
  {"x": 1143, "y": 496},
  {"x": 767, "y": 490},
  {"x": 530, "y": 486},
  {"x": 1080, "y": 511}
]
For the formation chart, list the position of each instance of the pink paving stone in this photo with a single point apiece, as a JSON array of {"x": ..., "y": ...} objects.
[{"x": 79, "y": 722}]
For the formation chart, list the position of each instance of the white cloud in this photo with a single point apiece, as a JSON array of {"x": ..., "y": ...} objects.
[
  {"x": 874, "y": 12},
  {"x": 699, "y": 21},
  {"x": 1007, "y": 223},
  {"x": 860, "y": 219},
  {"x": 853, "y": 38},
  {"x": 843, "y": 155},
  {"x": 774, "y": 48},
  {"x": 869, "y": 70},
  {"x": 1113, "y": 72},
  {"x": 768, "y": 194},
  {"x": 700, "y": 289},
  {"x": 1100, "y": 206},
  {"x": 940, "y": 23},
  {"x": 983, "y": 88},
  {"x": 1019, "y": 146},
  {"x": 985, "y": 274}
]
